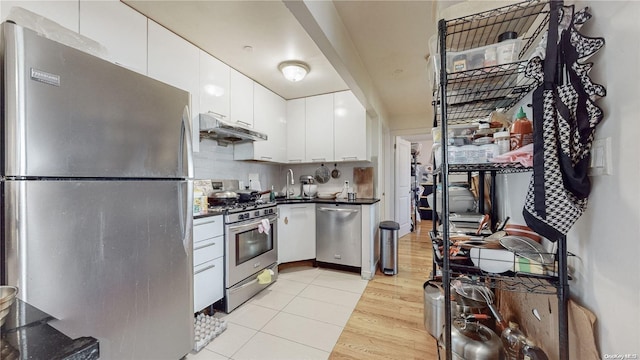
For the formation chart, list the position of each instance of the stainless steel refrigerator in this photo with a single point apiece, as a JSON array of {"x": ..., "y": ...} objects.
[{"x": 96, "y": 197}]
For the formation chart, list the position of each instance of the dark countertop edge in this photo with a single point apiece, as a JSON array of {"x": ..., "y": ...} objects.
[
  {"x": 327, "y": 201},
  {"x": 211, "y": 213}
]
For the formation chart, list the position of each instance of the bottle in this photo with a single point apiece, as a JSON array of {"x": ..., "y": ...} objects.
[
  {"x": 512, "y": 339},
  {"x": 530, "y": 351},
  {"x": 272, "y": 195},
  {"x": 521, "y": 131}
]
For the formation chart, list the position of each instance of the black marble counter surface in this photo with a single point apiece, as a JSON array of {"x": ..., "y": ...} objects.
[
  {"x": 26, "y": 334},
  {"x": 328, "y": 201}
]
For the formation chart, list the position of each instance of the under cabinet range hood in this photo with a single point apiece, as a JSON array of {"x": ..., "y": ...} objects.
[{"x": 212, "y": 126}]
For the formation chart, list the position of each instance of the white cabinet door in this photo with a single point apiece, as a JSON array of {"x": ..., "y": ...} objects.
[
  {"x": 173, "y": 60},
  {"x": 319, "y": 128},
  {"x": 62, "y": 12},
  {"x": 208, "y": 286},
  {"x": 120, "y": 29},
  {"x": 241, "y": 99},
  {"x": 270, "y": 118},
  {"x": 214, "y": 85},
  {"x": 350, "y": 128},
  {"x": 296, "y": 232},
  {"x": 296, "y": 143}
]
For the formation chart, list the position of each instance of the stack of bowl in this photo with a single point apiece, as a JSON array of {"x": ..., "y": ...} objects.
[{"x": 7, "y": 296}]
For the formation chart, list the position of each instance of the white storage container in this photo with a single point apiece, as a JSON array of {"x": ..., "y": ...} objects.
[{"x": 501, "y": 53}]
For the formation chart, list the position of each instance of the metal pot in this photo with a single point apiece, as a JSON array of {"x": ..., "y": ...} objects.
[
  {"x": 473, "y": 341},
  {"x": 225, "y": 197}
]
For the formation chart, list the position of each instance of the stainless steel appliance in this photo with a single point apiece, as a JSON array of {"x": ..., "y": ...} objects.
[
  {"x": 249, "y": 249},
  {"x": 96, "y": 206},
  {"x": 339, "y": 234},
  {"x": 213, "y": 126}
]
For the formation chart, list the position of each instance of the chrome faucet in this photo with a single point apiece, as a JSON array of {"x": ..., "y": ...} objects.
[{"x": 289, "y": 182}]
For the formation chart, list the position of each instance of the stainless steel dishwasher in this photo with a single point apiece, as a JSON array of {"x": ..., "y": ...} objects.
[{"x": 339, "y": 234}]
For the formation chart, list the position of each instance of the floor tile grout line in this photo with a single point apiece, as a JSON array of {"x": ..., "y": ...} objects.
[{"x": 299, "y": 343}]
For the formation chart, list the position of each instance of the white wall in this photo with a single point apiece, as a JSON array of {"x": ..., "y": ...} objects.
[{"x": 605, "y": 241}]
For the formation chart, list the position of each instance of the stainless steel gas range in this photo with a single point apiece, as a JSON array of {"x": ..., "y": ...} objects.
[{"x": 250, "y": 232}]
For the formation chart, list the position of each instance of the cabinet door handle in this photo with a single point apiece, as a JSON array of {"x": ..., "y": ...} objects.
[
  {"x": 295, "y": 160},
  {"x": 204, "y": 246},
  {"x": 349, "y": 158},
  {"x": 244, "y": 123},
  {"x": 318, "y": 159},
  {"x": 205, "y": 269},
  {"x": 266, "y": 157}
]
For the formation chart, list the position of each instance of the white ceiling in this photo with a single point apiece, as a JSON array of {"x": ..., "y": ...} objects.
[{"x": 391, "y": 38}]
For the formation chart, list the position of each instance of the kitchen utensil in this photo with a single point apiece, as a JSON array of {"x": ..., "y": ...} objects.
[
  {"x": 251, "y": 195},
  {"x": 351, "y": 196},
  {"x": 326, "y": 195},
  {"x": 433, "y": 308},
  {"x": 494, "y": 261},
  {"x": 522, "y": 230},
  {"x": 322, "y": 174},
  {"x": 527, "y": 248},
  {"x": 480, "y": 294},
  {"x": 335, "y": 173},
  {"x": 473, "y": 341},
  {"x": 310, "y": 190},
  {"x": 7, "y": 297}
]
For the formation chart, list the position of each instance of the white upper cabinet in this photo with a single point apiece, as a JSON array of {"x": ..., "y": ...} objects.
[
  {"x": 296, "y": 143},
  {"x": 270, "y": 111},
  {"x": 241, "y": 99},
  {"x": 173, "y": 60},
  {"x": 319, "y": 128},
  {"x": 214, "y": 85},
  {"x": 350, "y": 122},
  {"x": 120, "y": 29},
  {"x": 62, "y": 12}
]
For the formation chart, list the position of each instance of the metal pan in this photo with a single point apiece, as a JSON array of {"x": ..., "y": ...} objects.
[{"x": 335, "y": 173}]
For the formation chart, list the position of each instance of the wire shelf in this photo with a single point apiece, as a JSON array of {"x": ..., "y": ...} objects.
[
  {"x": 462, "y": 268},
  {"x": 527, "y": 19},
  {"x": 499, "y": 168},
  {"x": 474, "y": 94}
]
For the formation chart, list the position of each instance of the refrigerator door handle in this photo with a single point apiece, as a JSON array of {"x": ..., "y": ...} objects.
[
  {"x": 185, "y": 143},
  {"x": 186, "y": 219}
]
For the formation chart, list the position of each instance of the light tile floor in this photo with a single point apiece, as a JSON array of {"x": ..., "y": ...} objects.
[{"x": 299, "y": 317}]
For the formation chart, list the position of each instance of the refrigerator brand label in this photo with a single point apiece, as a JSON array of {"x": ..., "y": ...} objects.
[{"x": 45, "y": 77}]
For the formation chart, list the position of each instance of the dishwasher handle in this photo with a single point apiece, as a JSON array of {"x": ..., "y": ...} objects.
[{"x": 339, "y": 210}]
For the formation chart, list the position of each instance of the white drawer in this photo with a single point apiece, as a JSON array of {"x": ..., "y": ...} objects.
[
  {"x": 207, "y": 250},
  {"x": 208, "y": 284},
  {"x": 206, "y": 228}
]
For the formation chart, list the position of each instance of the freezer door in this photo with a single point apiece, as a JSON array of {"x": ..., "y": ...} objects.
[
  {"x": 70, "y": 114},
  {"x": 110, "y": 260}
]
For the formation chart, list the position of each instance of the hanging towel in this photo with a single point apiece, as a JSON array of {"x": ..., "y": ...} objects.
[
  {"x": 264, "y": 226},
  {"x": 564, "y": 117}
]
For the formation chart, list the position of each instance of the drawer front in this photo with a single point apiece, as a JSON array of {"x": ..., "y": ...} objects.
[
  {"x": 208, "y": 285},
  {"x": 207, "y": 228},
  {"x": 207, "y": 250}
]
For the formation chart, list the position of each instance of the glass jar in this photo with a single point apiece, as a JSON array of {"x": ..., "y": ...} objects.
[
  {"x": 531, "y": 352},
  {"x": 502, "y": 139},
  {"x": 512, "y": 339}
]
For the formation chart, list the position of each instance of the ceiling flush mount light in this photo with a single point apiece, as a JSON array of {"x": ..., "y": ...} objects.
[{"x": 294, "y": 71}]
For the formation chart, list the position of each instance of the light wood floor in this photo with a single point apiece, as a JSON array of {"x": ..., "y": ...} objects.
[{"x": 388, "y": 321}]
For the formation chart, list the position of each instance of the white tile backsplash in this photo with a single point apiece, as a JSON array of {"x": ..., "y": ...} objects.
[{"x": 216, "y": 162}]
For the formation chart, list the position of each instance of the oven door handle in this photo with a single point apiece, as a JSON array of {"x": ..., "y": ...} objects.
[
  {"x": 244, "y": 285},
  {"x": 252, "y": 224}
]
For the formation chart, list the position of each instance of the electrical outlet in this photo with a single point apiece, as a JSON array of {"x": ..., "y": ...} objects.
[{"x": 600, "y": 157}]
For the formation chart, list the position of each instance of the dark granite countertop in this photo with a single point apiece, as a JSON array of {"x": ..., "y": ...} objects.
[
  {"x": 26, "y": 334},
  {"x": 328, "y": 201},
  {"x": 208, "y": 214}
]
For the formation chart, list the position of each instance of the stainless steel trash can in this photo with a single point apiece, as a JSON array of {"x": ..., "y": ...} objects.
[{"x": 389, "y": 247}]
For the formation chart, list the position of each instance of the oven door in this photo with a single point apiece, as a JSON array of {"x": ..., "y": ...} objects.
[{"x": 249, "y": 249}]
